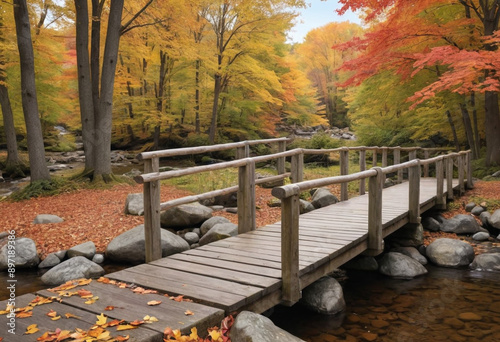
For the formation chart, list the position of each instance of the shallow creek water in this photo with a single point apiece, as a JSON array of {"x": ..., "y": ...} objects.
[{"x": 444, "y": 305}]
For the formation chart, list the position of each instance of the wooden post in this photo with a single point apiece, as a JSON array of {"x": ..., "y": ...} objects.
[
  {"x": 440, "y": 201},
  {"x": 344, "y": 170},
  {"x": 414, "y": 194},
  {"x": 152, "y": 232},
  {"x": 461, "y": 173},
  {"x": 297, "y": 168},
  {"x": 426, "y": 166},
  {"x": 281, "y": 161},
  {"x": 246, "y": 197},
  {"x": 397, "y": 160},
  {"x": 374, "y": 161},
  {"x": 470, "y": 183},
  {"x": 375, "y": 239},
  {"x": 412, "y": 155},
  {"x": 243, "y": 152},
  {"x": 449, "y": 177},
  {"x": 290, "y": 250},
  {"x": 362, "y": 167},
  {"x": 384, "y": 156}
]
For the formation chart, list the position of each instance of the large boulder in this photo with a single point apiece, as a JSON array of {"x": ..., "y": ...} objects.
[
  {"x": 450, "y": 253},
  {"x": 185, "y": 216},
  {"x": 486, "y": 262},
  {"x": 485, "y": 218},
  {"x": 130, "y": 246},
  {"x": 305, "y": 206},
  {"x": 74, "y": 268},
  {"x": 25, "y": 254},
  {"x": 134, "y": 205},
  {"x": 86, "y": 249},
  {"x": 410, "y": 235},
  {"x": 50, "y": 261},
  {"x": 431, "y": 224},
  {"x": 208, "y": 224},
  {"x": 398, "y": 265},
  {"x": 461, "y": 224},
  {"x": 323, "y": 197},
  {"x": 494, "y": 219},
  {"x": 47, "y": 218},
  {"x": 252, "y": 327},
  {"x": 412, "y": 252},
  {"x": 324, "y": 296},
  {"x": 218, "y": 232}
]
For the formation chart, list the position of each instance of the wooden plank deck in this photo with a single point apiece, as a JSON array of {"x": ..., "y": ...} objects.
[{"x": 244, "y": 272}]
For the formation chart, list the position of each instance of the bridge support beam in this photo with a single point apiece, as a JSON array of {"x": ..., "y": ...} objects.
[
  {"x": 414, "y": 193},
  {"x": 152, "y": 229},
  {"x": 440, "y": 200},
  {"x": 375, "y": 238},
  {"x": 344, "y": 170},
  {"x": 246, "y": 197},
  {"x": 290, "y": 250}
]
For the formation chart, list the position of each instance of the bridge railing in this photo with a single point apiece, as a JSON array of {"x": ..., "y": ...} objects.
[{"x": 289, "y": 196}]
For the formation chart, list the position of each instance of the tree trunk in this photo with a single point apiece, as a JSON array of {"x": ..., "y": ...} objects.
[
  {"x": 36, "y": 151},
  {"x": 215, "y": 108},
  {"x": 156, "y": 138},
  {"x": 103, "y": 119},
  {"x": 468, "y": 130},
  {"x": 85, "y": 83},
  {"x": 95, "y": 51},
  {"x": 453, "y": 130},
  {"x": 476, "y": 126},
  {"x": 492, "y": 128}
]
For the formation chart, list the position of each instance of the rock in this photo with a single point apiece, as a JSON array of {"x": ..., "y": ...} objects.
[
  {"x": 130, "y": 246},
  {"x": 218, "y": 232},
  {"x": 368, "y": 336},
  {"x": 481, "y": 236},
  {"x": 398, "y": 265},
  {"x": 252, "y": 327},
  {"x": 494, "y": 219},
  {"x": 485, "y": 218},
  {"x": 274, "y": 203},
  {"x": 50, "y": 261},
  {"x": 269, "y": 184},
  {"x": 47, "y": 218},
  {"x": 486, "y": 262},
  {"x": 227, "y": 200},
  {"x": 98, "y": 258},
  {"x": 322, "y": 197},
  {"x": 305, "y": 206},
  {"x": 86, "y": 249},
  {"x": 450, "y": 253},
  {"x": 3, "y": 234},
  {"x": 412, "y": 252},
  {"x": 362, "y": 263},
  {"x": 460, "y": 224},
  {"x": 410, "y": 235},
  {"x": 324, "y": 296},
  {"x": 185, "y": 216},
  {"x": 208, "y": 224},
  {"x": 469, "y": 316},
  {"x": 61, "y": 254},
  {"x": 469, "y": 206},
  {"x": 233, "y": 210},
  {"x": 191, "y": 238},
  {"x": 74, "y": 268},
  {"x": 496, "y": 174},
  {"x": 134, "y": 205},
  {"x": 132, "y": 173},
  {"x": 26, "y": 255},
  {"x": 477, "y": 210},
  {"x": 431, "y": 224}
]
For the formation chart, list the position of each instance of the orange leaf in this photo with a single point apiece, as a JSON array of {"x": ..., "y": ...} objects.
[
  {"x": 24, "y": 314},
  {"x": 83, "y": 281},
  {"x": 70, "y": 315},
  {"x": 136, "y": 322},
  {"x": 189, "y": 313},
  {"x": 154, "y": 302},
  {"x": 178, "y": 298},
  {"x": 115, "y": 322},
  {"x": 85, "y": 293},
  {"x": 138, "y": 290},
  {"x": 109, "y": 308},
  {"x": 117, "y": 338},
  {"x": 95, "y": 332},
  {"x": 52, "y": 313},
  {"x": 31, "y": 329}
]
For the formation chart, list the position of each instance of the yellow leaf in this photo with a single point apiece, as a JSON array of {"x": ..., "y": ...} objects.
[
  {"x": 194, "y": 334},
  {"x": 56, "y": 318},
  {"x": 214, "y": 334},
  {"x": 103, "y": 336},
  {"x": 63, "y": 335},
  {"x": 92, "y": 300},
  {"x": 70, "y": 315},
  {"x": 154, "y": 302},
  {"x": 52, "y": 313},
  {"x": 83, "y": 282},
  {"x": 150, "y": 319},
  {"x": 101, "y": 319},
  {"x": 31, "y": 329},
  {"x": 125, "y": 327}
]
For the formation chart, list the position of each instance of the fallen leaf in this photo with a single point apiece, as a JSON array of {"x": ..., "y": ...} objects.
[
  {"x": 63, "y": 335},
  {"x": 52, "y": 313},
  {"x": 85, "y": 293},
  {"x": 92, "y": 300},
  {"x": 103, "y": 336},
  {"x": 125, "y": 327},
  {"x": 31, "y": 329},
  {"x": 70, "y": 315},
  {"x": 56, "y": 318},
  {"x": 150, "y": 319},
  {"x": 115, "y": 322},
  {"x": 24, "y": 314},
  {"x": 178, "y": 298},
  {"x": 83, "y": 281},
  {"x": 109, "y": 308},
  {"x": 120, "y": 338},
  {"x": 101, "y": 319},
  {"x": 138, "y": 290},
  {"x": 154, "y": 302},
  {"x": 95, "y": 332},
  {"x": 136, "y": 322},
  {"x": 189, "y": 313}
]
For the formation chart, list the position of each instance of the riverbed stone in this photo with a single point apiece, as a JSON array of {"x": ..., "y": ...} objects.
[
  {"x": 134, "y": 205},
  {"x": 410, "y": 235},
  {"x": 469, "y": 206},
  {"x": 47, "y": 218},
  {"x": 50, "y": 261},
  {"x": 412, "y": 252},
  {"x": 485, "y": 218},
  {"x": 185, "y": 216},
  {"x": 86, "y": 249},
  {"x": 208, "y": 224},
  {"x": 74, "y": 268},
  {"x": 461, "y": 224},
  {"x": 450, "y": 252},
  {"x": 322, "y": 197},
  {"x": 481, "y": 236},
  {"x": 398, "y": 265},
  {"x": 494, "y": 219},
  {"x": 477, "y": 210},
  {"x": 431, "y": 224},
  {"x": 130, "y": 246},
  {"x": 362, "y": 263},
  {"x": 218, "y": 232},
  {"x": 305, "y": 206},
  {"x": 26, "y": 254},
  {"x": 252, "y": 327},
  {"x": 486, "y": 262},
  {"x": 191, "y": 238},
  {"x": 61, "y": 254},
  {"x": 98, "y": 258},
  {"x": 324, "y": 296}
]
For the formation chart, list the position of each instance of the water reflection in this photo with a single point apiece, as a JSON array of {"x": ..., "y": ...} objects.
[{"x": 445, "y": 305}]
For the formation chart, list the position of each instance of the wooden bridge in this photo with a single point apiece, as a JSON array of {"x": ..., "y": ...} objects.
[
  {"x": 263, "y": 267},
  {"x": 259, "y": 268}
]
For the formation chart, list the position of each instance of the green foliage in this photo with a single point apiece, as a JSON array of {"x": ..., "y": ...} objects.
[
  {"x": 318, "y": 141},
  {"x": 44, "y": 188},
  {"x": 480, "y": 170},
  {"x": 207, "y": 181}
]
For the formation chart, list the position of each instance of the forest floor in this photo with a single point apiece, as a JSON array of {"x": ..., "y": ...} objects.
[{"x": 98, "y": 215}]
